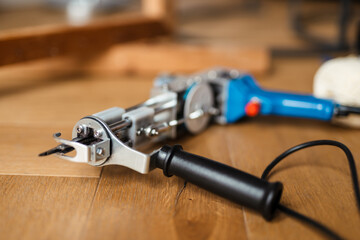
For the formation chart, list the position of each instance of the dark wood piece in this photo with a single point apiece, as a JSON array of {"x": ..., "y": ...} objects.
[{"x": 66, "y": 40}]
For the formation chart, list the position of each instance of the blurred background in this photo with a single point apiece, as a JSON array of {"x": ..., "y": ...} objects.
[
  {"x": 280, "y": 25},
  {"x": 61, "y": 60}
]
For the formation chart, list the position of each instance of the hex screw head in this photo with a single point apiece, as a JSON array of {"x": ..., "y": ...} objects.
[
  {"x": 79, "y": 129},
  {"x": 98, "y": 133},
  {"x": 100, "y": 152}
]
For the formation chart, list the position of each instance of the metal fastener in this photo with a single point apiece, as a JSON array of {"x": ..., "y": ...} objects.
[
  {"x": 100, "y": 152},
  {"x": 80, "y": 129},
  {"x": 98, "y": 133}
]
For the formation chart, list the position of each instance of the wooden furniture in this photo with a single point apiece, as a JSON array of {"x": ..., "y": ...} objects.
[
  {"x": 103, "y": 46},
  {"x": 155, "y": 19}
]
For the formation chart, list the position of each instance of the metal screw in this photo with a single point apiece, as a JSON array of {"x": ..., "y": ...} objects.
[
  {"x": 213, "y": 111},
  {"x": 212, "y": 74},
  {"x": 98, "y": 133},
  {"x": 198, "y": 79},
  {"x": 153, "y": 132},
  {"x": 139, "y": 132},
  {"x": 79, "y": 129},
  {"x": 100, "y": 152},
  {"x": 234, "y": 73},
  {"x": 165, "y": 86}
]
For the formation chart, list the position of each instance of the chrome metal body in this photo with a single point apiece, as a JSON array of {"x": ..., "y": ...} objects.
[{"x": 177, "y": 104}]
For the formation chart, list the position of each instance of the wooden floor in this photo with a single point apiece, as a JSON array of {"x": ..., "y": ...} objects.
[{"x": 49, "y": 198}]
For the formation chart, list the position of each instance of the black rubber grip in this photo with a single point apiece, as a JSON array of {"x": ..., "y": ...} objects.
[{"x": 223, "y": 180}]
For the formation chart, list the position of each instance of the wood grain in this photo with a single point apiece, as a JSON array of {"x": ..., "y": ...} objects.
[
  {"x": 133, "y": 206},
  {"x": 31, "y": 114},
  {"x": 144, "y": 58},
  {"x": 150, "y": 58},
  {"x": 43, "y": 42},
  {"x": 122, "y": 204},
  {"x": 129, "y": 205},
  {"x": 19, "y": 154},
  {"x": 44, "y": 207},
  {"x": 60, "y": 103}
]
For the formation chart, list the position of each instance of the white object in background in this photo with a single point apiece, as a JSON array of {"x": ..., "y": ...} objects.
[
  {"x": 79, "y": 12},
  {"x": 339, "y": 79}
]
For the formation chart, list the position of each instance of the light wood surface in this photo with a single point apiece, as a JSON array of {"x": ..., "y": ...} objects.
[
  {"x": 143, "y": 58},
  {"x": 127, "y": 205},
  {"x": 44, "y": 207},
  {"x": 55, "y": 107},
  {"x": 148, "y": 58},
  {"x": 62, "y": 200}
]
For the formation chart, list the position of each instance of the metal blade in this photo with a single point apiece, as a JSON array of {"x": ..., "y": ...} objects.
[{"x": 63, "y": 149}]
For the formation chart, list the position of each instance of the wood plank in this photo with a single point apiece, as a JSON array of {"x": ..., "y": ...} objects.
[
  {"x": 44, "y": 207},
  {"x": 146, "y": 59},
  {"x": 43, "y": 42},
  {"x": 152, "y": 58},
  {"x": 133, "y": 206},
  {"x": 129, "y": 205},
  {"x": 60, "y": 103},
  {"x": 243, "y": 140},
  {"x": 19, "y": 154},
  {"x": 32, "y": 112},
  {"x": 56, "y": 107},
  {"x": 218, "y": 217},
  {"x": 122, "y": 204}
]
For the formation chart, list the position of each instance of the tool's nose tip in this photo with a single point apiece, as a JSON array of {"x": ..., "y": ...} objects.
[
  {"x": 62, "y": 148},
  {"x": 42, "y": 154},
  {"x": 49, "y": 152},
  {"x": 45, "y": 153}
]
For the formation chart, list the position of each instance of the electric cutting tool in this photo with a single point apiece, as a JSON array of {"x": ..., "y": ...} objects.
[{"x": 181, "y": 104}]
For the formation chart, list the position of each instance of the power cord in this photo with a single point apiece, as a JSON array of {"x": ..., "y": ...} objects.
[
  {"x": 342, "y": 110},
  {"x": 354, "y": 178}
]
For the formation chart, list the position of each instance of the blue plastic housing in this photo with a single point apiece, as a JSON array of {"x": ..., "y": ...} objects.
[{"x": 245, "y": 89}]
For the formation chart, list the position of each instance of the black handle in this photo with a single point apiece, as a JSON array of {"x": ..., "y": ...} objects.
[{"x": 223, "y": 180}]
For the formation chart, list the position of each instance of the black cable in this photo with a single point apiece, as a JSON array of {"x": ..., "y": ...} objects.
[
  {"x": 355, "y": 110},
  {"x": 309, "y": 221},
  {"x": 353, "y": 172},
  {"x": 342, "y": 110}
]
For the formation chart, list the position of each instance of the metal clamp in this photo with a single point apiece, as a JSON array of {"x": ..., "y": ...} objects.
[
  {"x": 92, "y": 154},
  {"x": 122, "y": 154}
]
